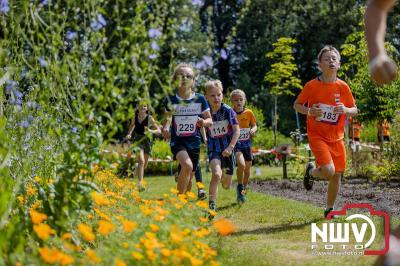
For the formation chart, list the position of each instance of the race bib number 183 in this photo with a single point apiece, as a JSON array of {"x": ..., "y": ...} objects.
[{"x": 328, "y": 116}]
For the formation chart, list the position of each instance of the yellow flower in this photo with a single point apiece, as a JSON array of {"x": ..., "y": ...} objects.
[
  {"x": 36, "y": 204},
  {"x": 195, "y": 262},
  {"x": 182, "y": 198},
  {"x": 99, "y": 198},
  {"x": 37, "y": 178},
  {"x": 43, "y": 231},
  {"x": 65, "y": 259},
  {"x": 175, "y": 237},
  {"x": 21, "y": 199},
  {"x": 203, "y": 219},
  {"x": 102, "y": 215},
  {"x": 151, "y": 255},
  {"x": 86, "y": 232},
  {"x": 202, "y": 232},
  {"x": 129, "y": 226},
  {"x": 146, "y": 210},
  {"x": 37, "y": 217},
  {"x": 154, "y": 227},
  {"x": 174, "y": 191},
  {"x": 92, "y": 256},
  {"x": 212, "y": 212},
  {"x": 31, "y": 190},
  {"x": 224, "y": 227},
  {"x": 165, "y": 252},
  {"x": 105, "y": 227},
  {"x": 137, "y": 255},
  {"x": 202, "y": 204},
  {"x": 119, "y": 262},
  {"x": 125, "y": 245},
  {"x": 191, "y": 195}
]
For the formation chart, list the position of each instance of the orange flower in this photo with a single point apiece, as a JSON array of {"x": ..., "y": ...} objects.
[
  {"x": 182, "y": 198},
  {"x": 99, "y": 198},
  {"x": 105, "y": 227},
  {"x": 86, "y": 232},
  {"x": 37, "y": 217},
  {"x": 65, "y": 259},
  {"x": 49, "y": 255},
  {"x": 66, "y": 236},
  {"x": 129, "y": 226},
  {"x": 165, "y": 252},
  {"x": 224, "y": 227},
  {"x": 174, "y": 191},
  {"x": 195, "y": 262},
  {"x": 154, "y": 227},
  {"x": 203, "y": 219},
  {"x": 119, "y": 262},
  {"x": 137, "y": 255},
  {"x": 176, "y": 238},
  {"x": 43, "y": 231},
  {"x": 92, "y": 256}
]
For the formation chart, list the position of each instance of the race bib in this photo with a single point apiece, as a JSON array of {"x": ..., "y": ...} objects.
[
  {"x": 186, "y": 125},
  {"x": 328, "y": 116},
  {"x": 219, "y": 129},
  {"x": 244, "y": 134}
]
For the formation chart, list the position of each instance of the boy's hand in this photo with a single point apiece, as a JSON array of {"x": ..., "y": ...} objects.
[
  {"x": 227, "y": 152},
  {"x": 340, "y": 109},
  {"x": 129, "y": 136},
  {"x": 252, "y": 131},
  {"x": 315, "y": 111},
  {"x": 200, "y": 122}
]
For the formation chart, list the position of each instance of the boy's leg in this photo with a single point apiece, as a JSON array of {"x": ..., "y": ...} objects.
[
  {"x": 216, "y": 173},
  {"x": 189, "y": 186},
  {"x": 140, "y": 158},
  {"x": 241, "y": 165},
  {"x": 227, "y": 163},
  {"x": 333, "y": 190},
  {"x": 201, "y": 194},
  {"x": 186, "y": 169}
]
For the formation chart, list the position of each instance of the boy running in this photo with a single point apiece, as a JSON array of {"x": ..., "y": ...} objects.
[
  {"x": 328, "y": 100},
  {"x": 222, "y": 137},
  {"x": 244, "y": 157},
  {"x": 190, "y": 112}
]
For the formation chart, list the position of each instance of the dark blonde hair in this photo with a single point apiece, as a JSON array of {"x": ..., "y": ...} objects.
[
  {"x": 327, "y": 48},
  {"x": 180, "y": 66},
  {"x": 213, "y": 84},
  {"x": 239, "y": 92}
]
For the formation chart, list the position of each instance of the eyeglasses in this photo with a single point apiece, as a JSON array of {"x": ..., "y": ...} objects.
[{"x": 187, "y": 76}]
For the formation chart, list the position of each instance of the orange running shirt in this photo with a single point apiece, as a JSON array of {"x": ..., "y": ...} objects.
[
  {"x": 330, "y": 127},
  {"x": 246, "y": 118}
]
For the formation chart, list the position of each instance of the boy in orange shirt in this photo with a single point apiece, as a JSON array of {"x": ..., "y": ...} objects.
[
  {"x": 328, "y": 100},
  {"x": 248, "y": 128},
  {"x": 383, "y": 70}
]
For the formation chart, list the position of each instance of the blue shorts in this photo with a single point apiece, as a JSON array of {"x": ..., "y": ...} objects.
[
  {"x": 227, "y": 163},
  {"x": 247, "y": 154}
]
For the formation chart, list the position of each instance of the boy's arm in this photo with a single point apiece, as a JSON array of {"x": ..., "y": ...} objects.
[
  {"x": 204, "y": 134},
  {"x": 235, "y": 137},
  {"x": 302, "y": 109},
  {"x": 382, "y": 68},
  {"x": 166, "y": 125},
  {"x": 206, "y": 121}
]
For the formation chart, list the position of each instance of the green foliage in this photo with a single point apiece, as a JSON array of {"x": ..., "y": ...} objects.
[{"x": 374, "y": 103}]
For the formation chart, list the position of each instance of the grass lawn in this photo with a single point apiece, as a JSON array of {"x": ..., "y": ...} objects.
[{"x": 269, "y": 230}]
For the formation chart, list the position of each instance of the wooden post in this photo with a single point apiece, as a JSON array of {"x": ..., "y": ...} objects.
[{"x": 284, "y": 165}]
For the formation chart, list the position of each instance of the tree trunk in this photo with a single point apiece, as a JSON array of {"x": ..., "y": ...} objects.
[{"x": 275, "y": 118}]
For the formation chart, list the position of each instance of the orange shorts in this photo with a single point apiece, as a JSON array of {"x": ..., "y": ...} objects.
[{"x": 328, "y": 152}]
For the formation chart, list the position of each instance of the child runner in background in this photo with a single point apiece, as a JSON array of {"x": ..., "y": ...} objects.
[
  {"x": 326, "y": 100},
  {"x": 383, "y": 70},
  {"x": 244, "y": 157},
  {"x": 141, "y": 122},
  {"x": 186, "y": 111},
  {"x": 222, "y": 137}
]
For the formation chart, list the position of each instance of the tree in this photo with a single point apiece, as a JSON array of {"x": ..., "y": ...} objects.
[
  {"x": 373, "y": 102},
  {"x": 282, "y": 77}
]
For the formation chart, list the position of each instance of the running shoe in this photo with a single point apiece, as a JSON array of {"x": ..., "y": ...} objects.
[
  {"x": 327, "y": 211},
  {"x": 241, "y": 198},
  {"x": 308, "y": 180},
  {"x": 201, "y": 194}
]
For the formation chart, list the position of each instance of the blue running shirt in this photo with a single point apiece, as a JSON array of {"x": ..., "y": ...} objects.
[
  {"x": 185, "y": 114},
  {"x": 220, "y": 134}
]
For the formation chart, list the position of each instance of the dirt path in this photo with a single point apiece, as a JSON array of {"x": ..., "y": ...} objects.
[{"x": 382, "y": 196}]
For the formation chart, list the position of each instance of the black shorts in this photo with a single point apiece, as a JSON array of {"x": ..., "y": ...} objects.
[
  {"x": 143, "y": 142},
  {"x": 194, "y": 154},
  {"x": 227, "y": 163},
  {"x": 247, "y": 154}
]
